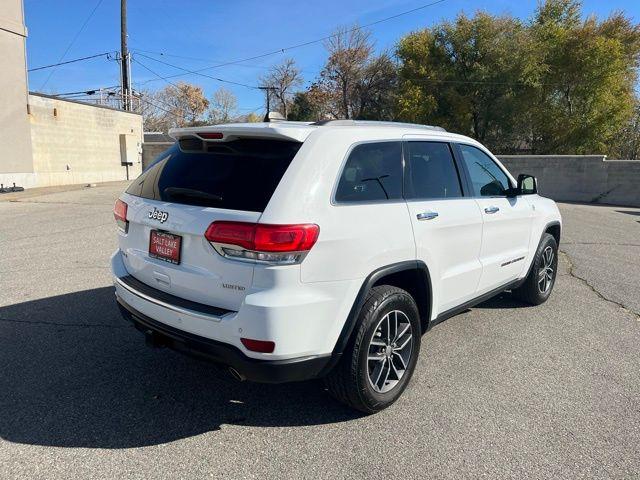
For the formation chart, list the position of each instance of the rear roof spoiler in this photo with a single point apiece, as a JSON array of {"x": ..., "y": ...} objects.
[{"x": 297, "y": 131}]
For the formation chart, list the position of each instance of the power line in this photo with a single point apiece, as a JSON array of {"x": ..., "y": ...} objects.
[
  {"x": 72, "y": 42},
  {"x": 71, "y": 61},
  {"x": 86, "y": 91},
  {"x": 164, "y": 54},
  {"x": 173, "y": 84},
  {"x": 304, "y": 44},
  {"x": 155, "y": 99},
  {"x": 195, "y": 72},
  {"x": 199, "y": 59},
  {"x": 142, "y": 99},
  {"x": 160, "y": 77},
  {"x": 251, "y": 109}
]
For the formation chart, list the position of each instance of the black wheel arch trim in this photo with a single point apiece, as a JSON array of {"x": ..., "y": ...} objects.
[
  {"x": 352, "y": 319},
  {"x": 554, "y": 223}
]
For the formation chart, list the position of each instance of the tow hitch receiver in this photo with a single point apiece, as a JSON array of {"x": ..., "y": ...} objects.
[{"x": 153, "y": 340}]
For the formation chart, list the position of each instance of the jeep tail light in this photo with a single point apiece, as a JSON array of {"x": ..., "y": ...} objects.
[
  {"x": 261, "y": 346},
  {"x": 120, "y": 214},
  {"x": 277, "y": 244}
]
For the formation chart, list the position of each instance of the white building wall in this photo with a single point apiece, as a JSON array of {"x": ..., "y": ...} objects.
[{"x": 16, "y": 163}]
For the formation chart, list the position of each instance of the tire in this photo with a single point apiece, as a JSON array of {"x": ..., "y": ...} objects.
[
  {"x": 536, "y": 289},
  {"x": 375, "y": 351}
]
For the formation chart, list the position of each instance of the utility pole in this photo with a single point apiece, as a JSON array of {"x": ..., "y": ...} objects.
[
  {"x": 267, "y": 90},
  {"x": 124, "y": 58}
]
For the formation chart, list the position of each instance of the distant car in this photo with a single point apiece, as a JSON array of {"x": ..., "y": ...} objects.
[{"x": 290, "y": 251}]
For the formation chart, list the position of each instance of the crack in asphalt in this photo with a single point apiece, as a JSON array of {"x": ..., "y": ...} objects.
[
  {"x": 57, "y": 324},
  {"x": 603, "y": 243},
  {"x": 596, "y": 291}
]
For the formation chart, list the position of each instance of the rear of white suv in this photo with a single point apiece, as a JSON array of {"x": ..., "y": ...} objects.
[
  {"x": 290, "y": 251},
  {"x": 196, "y": 271}
]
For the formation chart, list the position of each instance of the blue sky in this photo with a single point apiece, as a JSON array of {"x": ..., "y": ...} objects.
[{"x": 215, "y": 31}]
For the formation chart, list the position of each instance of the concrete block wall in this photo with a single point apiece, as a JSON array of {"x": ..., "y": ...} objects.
[
  {"x": 150, "y": 150},
  {"x": 581, "y": 178},
  {"x": 77, "y": 143}
]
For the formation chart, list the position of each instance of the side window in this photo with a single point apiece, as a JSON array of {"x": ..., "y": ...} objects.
[
  {"x": 431, "y": 171},
  {"x": 487, "y": 178},
  {"x": 373, "y": 172}
]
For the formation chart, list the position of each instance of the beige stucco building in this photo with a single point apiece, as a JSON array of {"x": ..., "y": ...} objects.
[
  {"x": 15, "y": 134},
  {"x": 50, "y": 141}
]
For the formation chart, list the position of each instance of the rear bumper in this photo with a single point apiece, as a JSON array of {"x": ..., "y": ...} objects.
[
  {"x": 304, "y": 320},
  {"x": 265, "y": 371}
]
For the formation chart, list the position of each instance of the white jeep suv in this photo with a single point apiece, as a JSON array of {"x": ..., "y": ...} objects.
[{"x": 289, "y": 251}]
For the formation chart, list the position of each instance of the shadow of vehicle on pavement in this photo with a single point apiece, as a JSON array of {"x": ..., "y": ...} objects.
[
  {"x": 503, "y": 300},
  {"x": 630, "y": 212},
  {"x": 75, "y": 374}
]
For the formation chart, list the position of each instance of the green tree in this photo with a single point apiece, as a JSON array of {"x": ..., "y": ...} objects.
[
  {"x": 302, "y": 108},
  {"x": 586, "y": 85},
  {"x": 626, "y": 145},
  {"x": 557, "y": 84},
  {"x": 470, "y": 76}
]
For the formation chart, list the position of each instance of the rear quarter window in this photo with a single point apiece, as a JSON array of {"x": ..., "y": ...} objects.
[
  {"x": 372, "y": 173},
  {"x": 238, "y": 175}
]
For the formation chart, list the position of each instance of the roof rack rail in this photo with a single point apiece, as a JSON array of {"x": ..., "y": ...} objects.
[{"x": 377, "y": 123}]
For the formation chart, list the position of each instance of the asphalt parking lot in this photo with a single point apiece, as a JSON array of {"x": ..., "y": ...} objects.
[{"x": 502, "y": 391}]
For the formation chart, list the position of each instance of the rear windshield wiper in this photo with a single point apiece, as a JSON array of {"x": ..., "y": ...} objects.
[{"x": 191, "y": 193}]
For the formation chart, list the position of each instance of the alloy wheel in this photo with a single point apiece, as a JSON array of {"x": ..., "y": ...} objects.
[
  {"x": 390, "y": 350},
  {"x": 545, "y": 273}
]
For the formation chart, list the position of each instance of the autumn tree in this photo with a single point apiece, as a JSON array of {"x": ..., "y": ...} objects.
[
  {"x": 223, "y": 107},
  {"x": 252, "y": 118},
  {"x": 375, "y": 90},
  {"x": 283, "y": 79},
  {"x": 176, "y": 105},
  {"x": 354, "y": 83},
  {"x": 349, "y": 51},
  {"x": 155, "y": 117},
  {"x": 185, "y": 101}
]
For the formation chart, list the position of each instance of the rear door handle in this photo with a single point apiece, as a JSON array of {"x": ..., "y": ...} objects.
[
  {"x": 427, "y": 215},
  {"x": 491, "y": 209}
]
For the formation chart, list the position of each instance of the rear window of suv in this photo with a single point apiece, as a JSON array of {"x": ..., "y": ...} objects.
[{"x": 240, "y": 174}]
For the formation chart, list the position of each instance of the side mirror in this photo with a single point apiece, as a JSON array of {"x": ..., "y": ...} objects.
[{"x": 527, "y": 184}]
